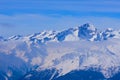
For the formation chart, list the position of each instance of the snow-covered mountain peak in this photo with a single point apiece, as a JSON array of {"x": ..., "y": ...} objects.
[
  {"x": 88, "y": 26},
  {"x": 16, "y": 37},
  {"x": 41, "y": 37},
  {"x": 109, "y": 30},
  {"x": 87, "y": 31}
]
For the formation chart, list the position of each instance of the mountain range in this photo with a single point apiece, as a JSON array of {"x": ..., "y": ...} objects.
[
  {"x": 80, "y": 53},
  {"x": 84, "y": 32}
]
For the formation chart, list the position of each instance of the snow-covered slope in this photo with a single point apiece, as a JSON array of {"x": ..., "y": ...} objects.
[
  {"x": 54, "y": 55},
  {"x": 83, "y": 55}
]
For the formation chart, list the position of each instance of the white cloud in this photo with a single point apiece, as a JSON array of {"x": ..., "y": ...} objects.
[
  {"x": 21, "y": 55},
  {"x": 36, "y": 61}
]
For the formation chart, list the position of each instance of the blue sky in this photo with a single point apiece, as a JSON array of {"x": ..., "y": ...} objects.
[{"x": 29, "y": 16}]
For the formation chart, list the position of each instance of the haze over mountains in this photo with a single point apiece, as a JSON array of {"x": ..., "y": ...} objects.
[{"x": 82, "y": 52}]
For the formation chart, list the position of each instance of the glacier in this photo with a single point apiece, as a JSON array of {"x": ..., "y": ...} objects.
[{"x": 58, "y": 55}]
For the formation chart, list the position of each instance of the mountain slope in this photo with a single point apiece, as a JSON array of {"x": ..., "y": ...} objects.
[{"x": 67, "y": 57}]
